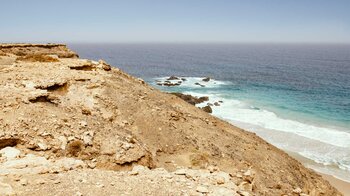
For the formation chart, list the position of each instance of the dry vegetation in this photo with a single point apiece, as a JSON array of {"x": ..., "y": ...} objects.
[
  {"x": 37, "y": 58},
  {"x": 2, "y": 53}
]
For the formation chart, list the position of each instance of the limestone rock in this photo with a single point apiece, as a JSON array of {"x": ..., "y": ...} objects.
[
  {"x": 42, "y": 146},
  {"x": 202, "y": 189},
  {"x": 245, "y": 186},
  {"x": 6, "y": 190},
  {"x": 88, "y": 137},
  {"x": 105, "y": 66},
  {"x": 23, "y": 182},
  {"x": 222, "y": 191},
  {"x": 10, "y": 152}
]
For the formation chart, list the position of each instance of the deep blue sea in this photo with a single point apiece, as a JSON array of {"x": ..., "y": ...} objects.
[{"x": 295, "y": 96}]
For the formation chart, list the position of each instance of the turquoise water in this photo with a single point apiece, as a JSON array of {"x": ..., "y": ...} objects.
[{"x": 297, "y": 97}]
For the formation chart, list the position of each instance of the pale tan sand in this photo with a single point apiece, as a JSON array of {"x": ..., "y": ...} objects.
[{"x": 342, "y": 186}]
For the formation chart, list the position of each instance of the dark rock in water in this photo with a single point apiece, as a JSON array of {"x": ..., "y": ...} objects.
[
  {"x": 171, "y": 84},
  {"x": 207, "y": 79},
  {"x": 221, "y": 102},
  {"x": 173, "y": 78},
  {"x": 207, "y": 109},
  {"x": 203, "y": 99},
  {"x": 199, "y": 84},
  {"x": 191, "y": 99},
  {"x": 183, "y": 79},
  {"x": 216, "y": 104}
]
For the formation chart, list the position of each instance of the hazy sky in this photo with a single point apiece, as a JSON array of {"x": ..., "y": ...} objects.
[{"x": 175, "y": 21}]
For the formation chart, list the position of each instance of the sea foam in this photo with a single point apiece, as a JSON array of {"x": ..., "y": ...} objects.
[{"x": 327, "y": 146}]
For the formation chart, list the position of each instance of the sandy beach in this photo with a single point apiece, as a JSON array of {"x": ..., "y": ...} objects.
[{"x": 342, "y": 186}]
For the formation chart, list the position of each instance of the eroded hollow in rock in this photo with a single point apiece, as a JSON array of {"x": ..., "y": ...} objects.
[
  {"x": 58, "y": 88},
  {"x": 8, "y": 142},
  {"x": 36, "y": 58},
  {"x": 43, "y": 98},
  {"x": 84, "y": 68}
]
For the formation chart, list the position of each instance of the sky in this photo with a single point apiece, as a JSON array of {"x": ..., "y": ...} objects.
[{"x": 175, "y": 21}]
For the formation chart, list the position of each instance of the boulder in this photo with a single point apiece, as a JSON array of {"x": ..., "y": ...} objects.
[
  {"x": 191, "y": 99},
  {"x": 206, "y": 79},
  {"x": 198, "y": 84},
  {"x": 105, "y": 65},
  {"x": 173, "y": 78},
  {"x": 207, "y": 109},
  {"x": 9, "y": 152}
]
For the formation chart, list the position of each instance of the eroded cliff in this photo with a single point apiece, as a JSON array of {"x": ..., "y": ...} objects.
[{"x": 56, "y": 108}]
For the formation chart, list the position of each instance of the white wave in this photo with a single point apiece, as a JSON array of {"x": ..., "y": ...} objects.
[
  {"x": 239, "y": 111},
  {"x": 190, "y": 82},
  {"x": 326, "y": 146},
  {"x": 342, "y": 162}
]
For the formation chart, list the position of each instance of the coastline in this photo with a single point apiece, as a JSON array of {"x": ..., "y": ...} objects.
[
  {"x": 342, "y": 186},
  {"x": 141, "y": 125},
  {"x": 304, "y": 160}
]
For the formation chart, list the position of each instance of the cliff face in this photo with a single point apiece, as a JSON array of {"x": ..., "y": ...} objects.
[
  {"x": 93, "y": 116},
  {"x": 39, "y": 49}
]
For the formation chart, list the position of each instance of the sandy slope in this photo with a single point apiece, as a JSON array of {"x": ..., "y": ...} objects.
[{"x": 112, "y": 121}]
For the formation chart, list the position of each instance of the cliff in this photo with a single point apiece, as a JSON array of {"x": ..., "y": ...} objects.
[{"x": 76, "y": 126}]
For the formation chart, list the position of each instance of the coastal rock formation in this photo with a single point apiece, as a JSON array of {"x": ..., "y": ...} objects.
[
  {"x": 37, "y": 49},
  {"x": 206, "y": 79},
  {"x": 191, "y": 99},
  {"x": 85, "y": 128},
  {"x": 207, "y": 109}
]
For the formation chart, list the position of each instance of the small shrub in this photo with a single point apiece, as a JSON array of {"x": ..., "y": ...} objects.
[
  {"x": 75, "y": 147},
  {"x": 199, "y": 159}
]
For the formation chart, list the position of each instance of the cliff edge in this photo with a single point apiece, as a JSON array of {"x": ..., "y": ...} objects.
[{"x": 76, "y": 126}]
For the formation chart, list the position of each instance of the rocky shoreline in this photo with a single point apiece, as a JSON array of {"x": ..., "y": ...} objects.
[
  {"x": 177, "y": 81},
  {"x": 74, "y": 126}
]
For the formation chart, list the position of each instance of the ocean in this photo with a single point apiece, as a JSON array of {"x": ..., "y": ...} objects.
[{"x": 295, "y": 96}]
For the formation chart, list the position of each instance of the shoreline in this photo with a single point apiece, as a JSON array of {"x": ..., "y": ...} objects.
[
  {"x": 341, "y": 185},
  {"x": 141, "y": 125}
]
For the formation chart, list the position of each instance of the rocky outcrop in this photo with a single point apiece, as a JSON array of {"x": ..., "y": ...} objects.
[
  {"x": 207, "y": 109},
  {"x": 22, "y": 50},
  {"x": 139, "y": 181},
  {"x": 191, "y": 99},
  {"x": 86, "y": 112},
  {"x": 206, "y": 79},
  {"x": 173, "y": 78}
]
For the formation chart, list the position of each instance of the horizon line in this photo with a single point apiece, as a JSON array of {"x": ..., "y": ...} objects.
[{"x": 177, "y": 42}]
